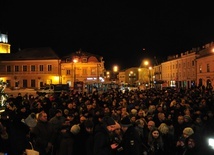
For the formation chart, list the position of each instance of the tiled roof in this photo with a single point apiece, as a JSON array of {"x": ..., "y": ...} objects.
[{"x": 43, "y": 53}]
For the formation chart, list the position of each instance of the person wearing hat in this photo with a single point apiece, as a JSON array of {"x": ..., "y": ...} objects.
[
  {"x": 102, "y": 137},
  {"x": 131, "y": 142}
]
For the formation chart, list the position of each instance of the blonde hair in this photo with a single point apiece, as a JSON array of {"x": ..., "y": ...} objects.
[{"x": 164, "y": 129}]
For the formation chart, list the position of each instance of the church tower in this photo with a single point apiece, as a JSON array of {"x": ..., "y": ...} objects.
[{"x": 4, "y": 46}]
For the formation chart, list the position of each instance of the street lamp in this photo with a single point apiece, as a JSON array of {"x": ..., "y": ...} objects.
[
  {"x": 146, "y": 64},
  {"x": 115, "y": 70},
  {"x": 74, "y": 71},
  {"x": 131, "y": 77},
  {"x": 150, "y": 77}
]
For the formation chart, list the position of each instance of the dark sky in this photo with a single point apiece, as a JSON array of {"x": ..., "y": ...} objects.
[{"x": 123, "y": 32}]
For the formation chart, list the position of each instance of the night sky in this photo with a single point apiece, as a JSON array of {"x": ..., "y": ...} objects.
[{"x": 123, "y": 32}]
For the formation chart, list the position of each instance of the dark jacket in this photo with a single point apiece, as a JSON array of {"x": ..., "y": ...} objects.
[
  {"x": 42, "y": 134},
  {"x": 83, "y": 143},
  {"x": 102, "y": 142},
  {"x": 131, "y": 142}
]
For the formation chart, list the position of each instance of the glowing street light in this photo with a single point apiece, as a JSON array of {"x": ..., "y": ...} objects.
[
  {"x": 146, "y": 63},
  {"x": 150, "y": 77},
  {"x": 115, "y": 68},
  {"x": 115, "y": 71},
  {"x": 75, "y": 60}
]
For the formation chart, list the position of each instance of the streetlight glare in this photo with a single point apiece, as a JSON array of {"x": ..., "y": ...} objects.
[
  {"x": 75, "y": 60},
  {"x": 146, "y": 62},
  {"x": 115, "y": 68}
]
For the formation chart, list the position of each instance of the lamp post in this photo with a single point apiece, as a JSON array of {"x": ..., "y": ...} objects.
[
  {"x": 131, "y": 76},
  {"x": 74, "y": 72},
  {"x": 115, "y": 70},
  {"x": 150, "y": 77},
  {"x": 146, "y": 64}
]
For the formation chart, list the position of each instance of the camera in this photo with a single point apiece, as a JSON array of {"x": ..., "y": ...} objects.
[{"x": 117, "y": 140}]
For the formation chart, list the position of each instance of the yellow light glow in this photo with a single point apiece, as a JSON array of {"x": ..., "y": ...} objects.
[
  {"x": 115, "y": 68},
  {"x": 146, "y": 62},
  {"x": 3, "y": 79},
  {"x": 55, "y": 79},
  {"x": 75, "y": 60}
]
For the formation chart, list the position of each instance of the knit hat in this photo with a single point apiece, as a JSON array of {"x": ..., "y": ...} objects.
[
  {"x": 134, "y": 111},
  {"x": 188, "y": 118},
  {"x": 108, "y": 121},
  {"x": 188, "y": 131},
  {"x": 58, "y": 111},
  {"x": 31, "y": 120},
  {"x": 125, "y": 122},
  {"x": 75, "y": 129}
]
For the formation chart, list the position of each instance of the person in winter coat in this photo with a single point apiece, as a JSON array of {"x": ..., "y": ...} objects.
[
  {"x": 43, "y": 135},
  {"x": 192, "y": 146},
  {"x": 155, "y": 142},
  {"x": 181, "y": 142},
  {"x": 84, "y": 140},
  {"x": 131, "y": 142},
  {"x": 102, "y": 137}
]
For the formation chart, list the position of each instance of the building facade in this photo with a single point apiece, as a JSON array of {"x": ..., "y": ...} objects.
[
  {"x": 30, "y": 68},
  {"x": 36, "y": 67},
  {"x": 205, "y": 66}
]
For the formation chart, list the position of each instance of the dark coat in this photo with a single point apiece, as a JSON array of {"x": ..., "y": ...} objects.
[
  {"x": 131, "y": 142},
  {"x": 17, "y": 132},
  {"x": 102, "y": 141},
  {"x": 83, "y": 143},
  {"x": 42, "y": 134}
]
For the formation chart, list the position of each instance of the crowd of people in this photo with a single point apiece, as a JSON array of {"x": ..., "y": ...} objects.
[{"x": 137, "y": 122}]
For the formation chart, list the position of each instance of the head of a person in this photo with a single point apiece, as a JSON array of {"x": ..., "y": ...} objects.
[
  {"x": 187, "y": 118},
  {"x": 89, "y": 125},
  {"x": 161, "y": 116},
  {"x": 150, "y": 124},
  {"x": 188, "y": 131},
  {"x": 191, "y": 141},
  {"x": 125, "y": 123},
  {"x": 109, "y": 122},
  {"x": 180, "y": 119},
  {"x": 117, "y": 128},
  {"x": 155, "y": 133},
  {"x": 163, "y": 128},
  {"x": 43, "y": 117},
  {"x": 58, "y": 113},
  {"x": 140, "y": 123},
  {"x": 75, "y": 129}
]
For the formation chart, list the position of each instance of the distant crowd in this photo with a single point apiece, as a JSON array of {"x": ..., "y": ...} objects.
[{"x": 174, "y": 121}]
